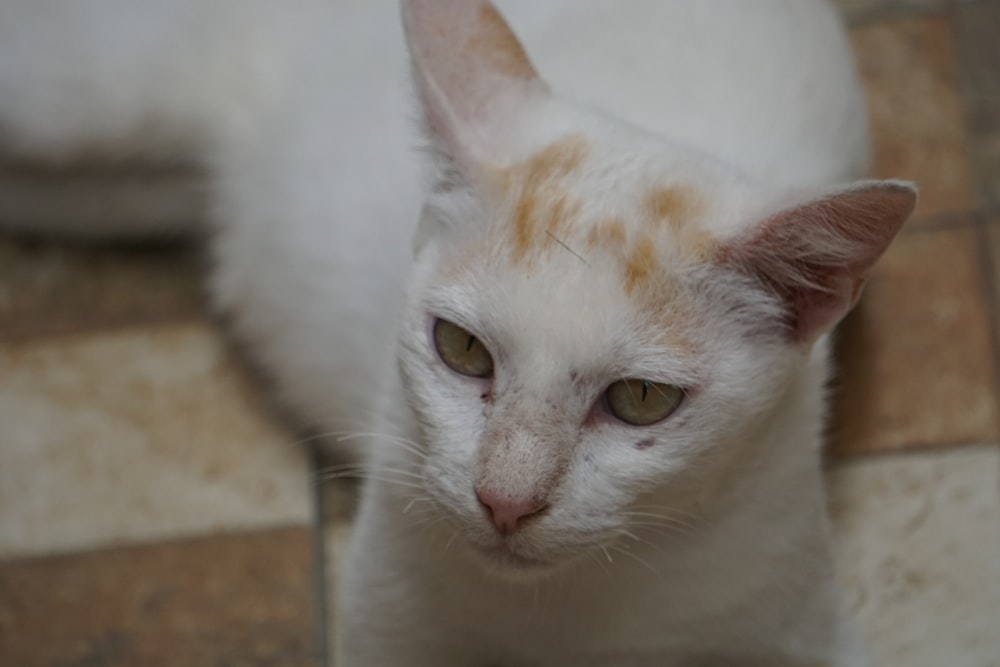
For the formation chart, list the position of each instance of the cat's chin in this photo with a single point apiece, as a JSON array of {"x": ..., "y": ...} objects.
[{"x": 506, "y": 563}]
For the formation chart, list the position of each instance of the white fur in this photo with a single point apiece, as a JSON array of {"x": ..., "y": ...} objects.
[{"x": 301, "y": 113}]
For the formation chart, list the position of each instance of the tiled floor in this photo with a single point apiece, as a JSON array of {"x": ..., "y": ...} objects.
[{"x": 153, "y": 512}]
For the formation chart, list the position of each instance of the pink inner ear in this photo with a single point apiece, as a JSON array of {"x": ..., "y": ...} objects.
[
  {"x": 817, "y": 256},
  {"x": 466, "y": 62}
]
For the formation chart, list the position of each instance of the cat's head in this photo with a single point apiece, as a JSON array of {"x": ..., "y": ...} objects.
[{"x": 601, "y": 325}]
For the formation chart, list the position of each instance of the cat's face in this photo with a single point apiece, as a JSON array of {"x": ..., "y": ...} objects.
[
  {"x": 571, "y": 348},
  {"x": 601, "y": 325}
]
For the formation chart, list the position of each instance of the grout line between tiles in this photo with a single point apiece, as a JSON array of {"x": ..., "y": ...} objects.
[
  {"x": 837, "y": 462},
  {"x": 320, "y": 566}
]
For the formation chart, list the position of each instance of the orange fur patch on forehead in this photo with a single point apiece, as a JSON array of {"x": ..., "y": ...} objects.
[
  {"x": 543, "y": 209},
  {"x": 641, "y": 262},
  {"x": 676, "y": 203},
  {"x": 667, "y": 212},
  {"x": 555, "y": 162},
  {"x": 494, "y": 43},
  {"x": 681, "y": 207},
  {"x": 608, "y": 233},
  {"x": 545, "y": 213},
  {"x": 525, "y": 218}
]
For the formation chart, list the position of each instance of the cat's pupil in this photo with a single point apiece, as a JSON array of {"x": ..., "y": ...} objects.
[{"x": 472, "y": 341}]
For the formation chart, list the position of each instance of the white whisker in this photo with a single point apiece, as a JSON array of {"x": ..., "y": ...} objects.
[
  {"x": 670, "y": 511},
  {"x": 357, "y": 467},
  {"x": 413, "y": 501},
  {"x": 638, "y": 540},
  {"x": 652, "y": 518},
  {"x": 637, "y": 559},
  {"x": 451, "y": 539},
  {"x": 429, "y": 521},
  {"x": 662, "y": 529},
  {"x": 405, "y": 443},
  {"x": 340, "y": 436},
  {"x": 600, "y": 562},
  {"x": 369, "y": 476}
]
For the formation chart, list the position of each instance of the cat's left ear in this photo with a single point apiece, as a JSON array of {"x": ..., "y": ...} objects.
[
  {"x": 471, "y": 74},
  {"x": 816, "y": 256}
]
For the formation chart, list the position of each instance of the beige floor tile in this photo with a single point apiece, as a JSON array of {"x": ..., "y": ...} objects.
[
  {"x": 910, "y": 75},
  {"x": 918, "y": 545},
  {"x": 137, "y": 436},
  {"x": 916, "y": 364},
  {"x": 48, "y": 288},
  {"x": 243, "y": 599}
]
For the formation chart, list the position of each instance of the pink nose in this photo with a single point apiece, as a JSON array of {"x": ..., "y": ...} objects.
[{"x": 507, "y": 513}]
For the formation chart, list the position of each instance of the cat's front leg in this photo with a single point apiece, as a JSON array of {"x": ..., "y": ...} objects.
[{"x": 385, "y": 618}]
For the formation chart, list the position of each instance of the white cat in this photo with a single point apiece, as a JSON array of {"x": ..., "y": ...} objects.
[{"x": 602, "y": 444}]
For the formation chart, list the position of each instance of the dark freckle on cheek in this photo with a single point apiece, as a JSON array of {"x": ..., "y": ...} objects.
[{"x": 645, "y": 444}]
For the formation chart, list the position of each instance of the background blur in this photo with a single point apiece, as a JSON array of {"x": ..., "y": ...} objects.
[{"x": 153, "y": 511}]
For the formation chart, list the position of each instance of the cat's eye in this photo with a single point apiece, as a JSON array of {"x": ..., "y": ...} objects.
[
  {"x": 641, "y": 402},
  {"x": 461, "y": 351}
]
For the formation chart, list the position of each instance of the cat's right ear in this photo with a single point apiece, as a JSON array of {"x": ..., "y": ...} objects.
[
  {"x": 471, "y": 74},
  {"x": 816, "y": 255}
]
